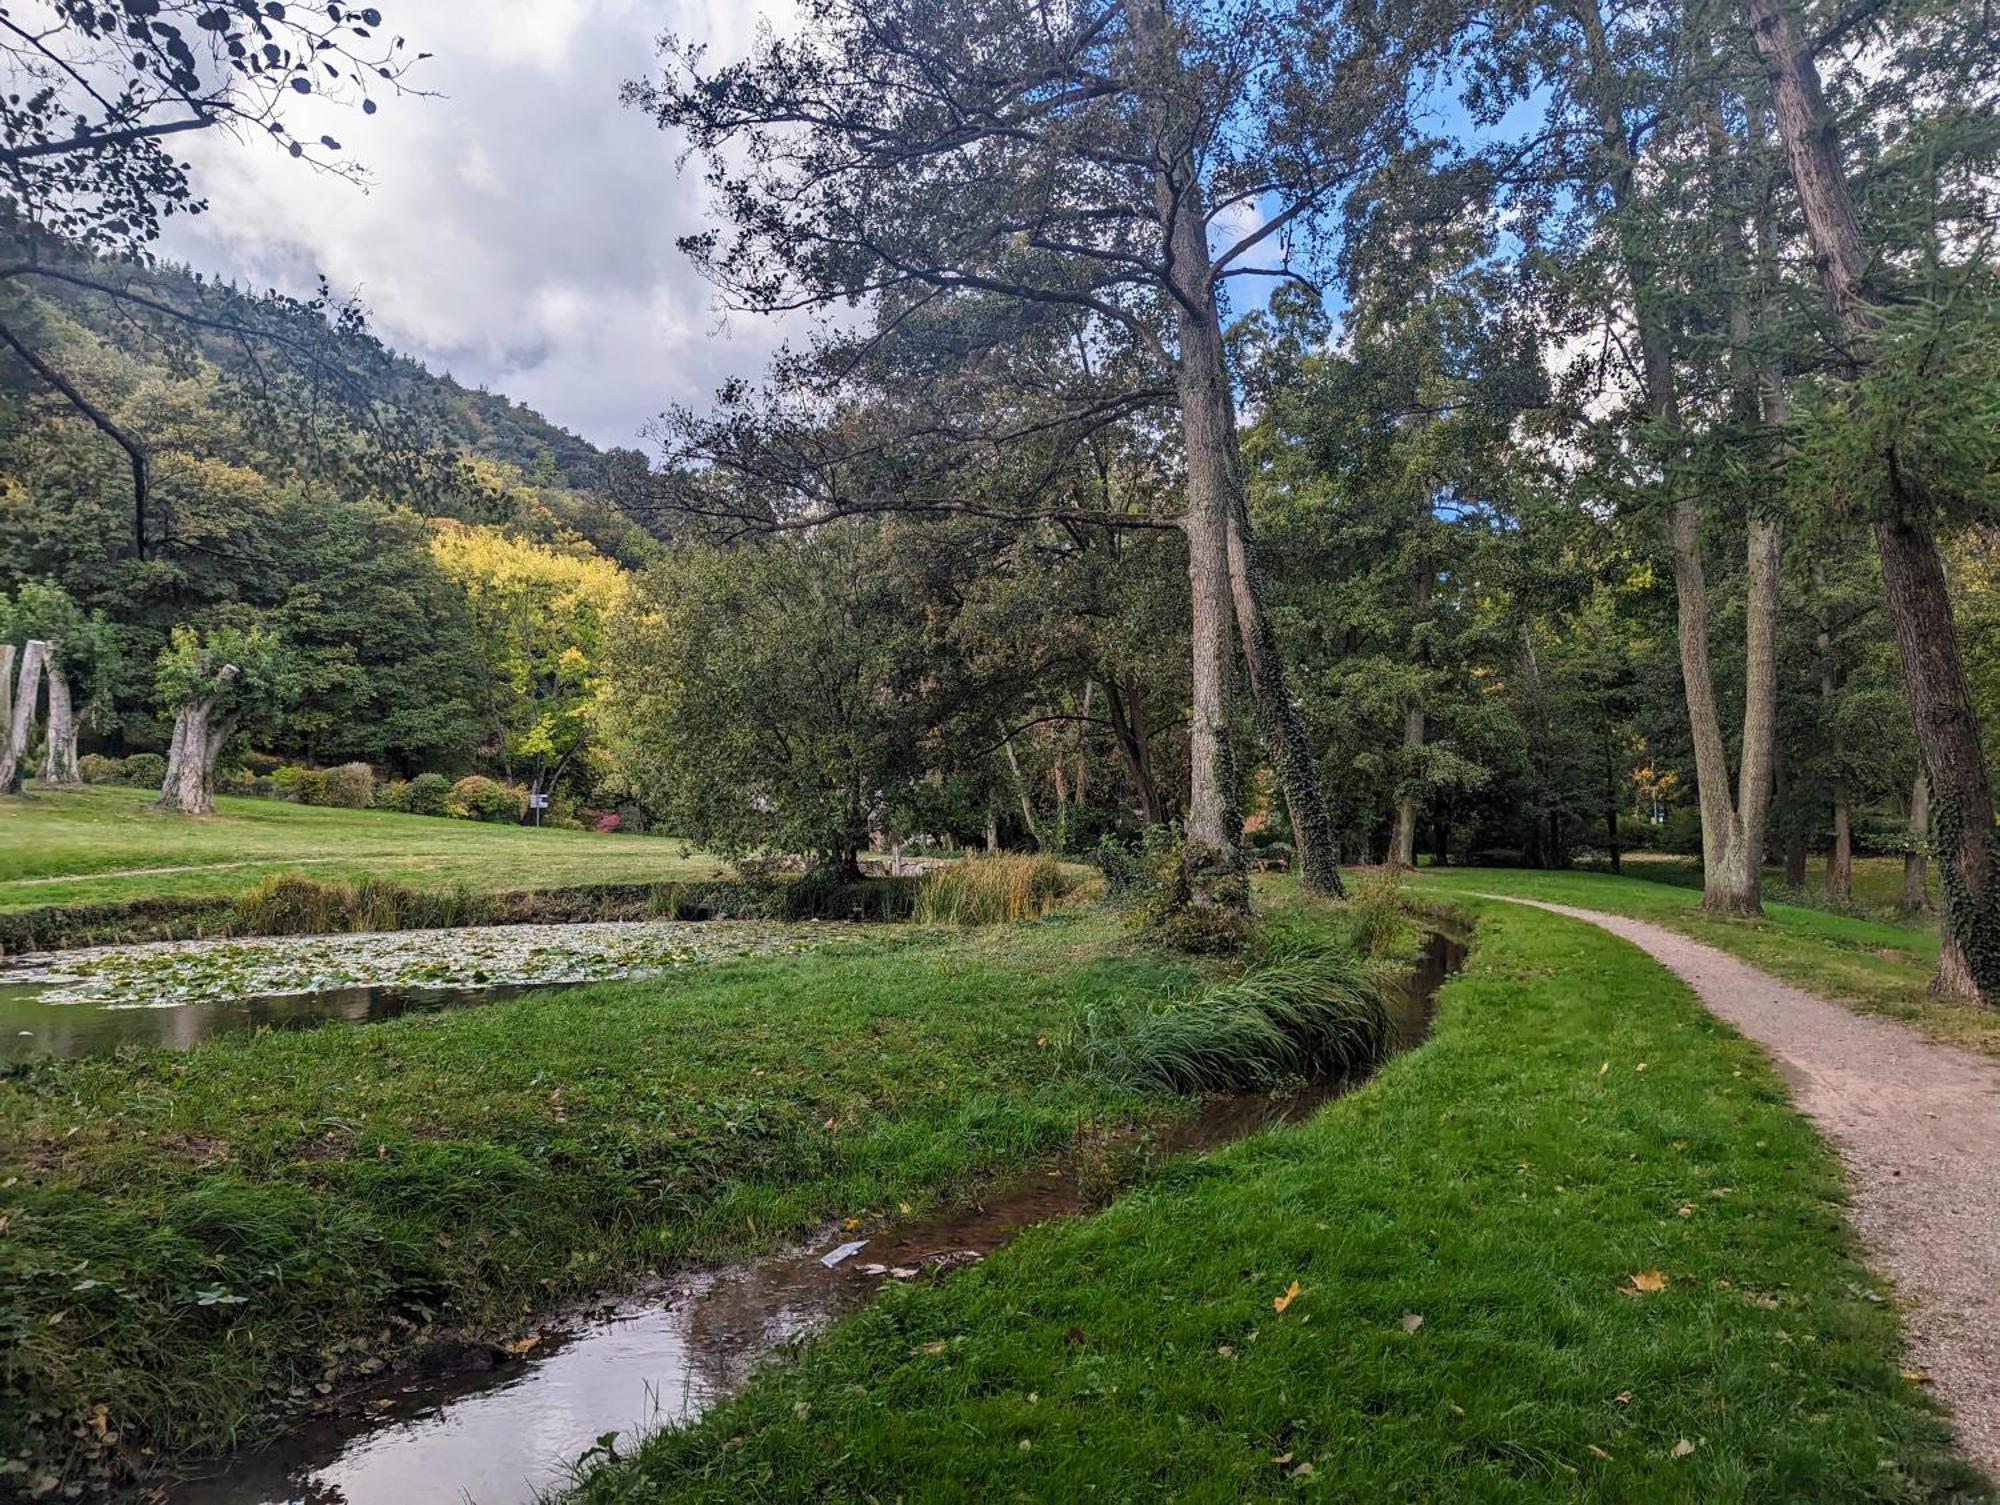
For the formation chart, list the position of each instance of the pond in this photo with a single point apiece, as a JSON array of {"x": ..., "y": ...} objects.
[
  {"x": 509, "y": 1430},
  {"x": 178, "y": 993}
]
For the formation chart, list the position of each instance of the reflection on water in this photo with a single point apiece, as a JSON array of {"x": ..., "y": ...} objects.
[
  {"x": 502, "y": 1437},
  {"x": 32, "y": 1028}
]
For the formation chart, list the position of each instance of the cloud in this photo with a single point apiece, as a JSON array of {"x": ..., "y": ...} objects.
[{"x": 517, "y": 231}]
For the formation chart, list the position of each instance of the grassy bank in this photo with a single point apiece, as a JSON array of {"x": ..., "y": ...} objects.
[
  {"x": 196, "y": 1241},
  {"x": 1577, "y": 1247},
  {"x": 1877, "y": 965},
  {"x": 103, "y": 844},
  {"x": 1877, "y": 884}
]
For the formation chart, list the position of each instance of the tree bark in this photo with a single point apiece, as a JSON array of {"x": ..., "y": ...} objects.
[
  {"x": 1127, "y": 711},
  {"x": 27, "y": 688},
  {"x": 1840, "y": 856},
  {"x": 1912, "y": 573},
  {"x": 1021, "y": 790},
  {"x": 7, "y": 653},
  {"x": 1916, "y": 860},
  {"x": 189, "y": 785},
  {"x": 59, "y": 760},
  {"x": 1403, "y": 841}
]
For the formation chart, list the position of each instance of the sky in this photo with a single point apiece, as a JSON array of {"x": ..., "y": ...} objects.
[{"x": 517, "y": 231}]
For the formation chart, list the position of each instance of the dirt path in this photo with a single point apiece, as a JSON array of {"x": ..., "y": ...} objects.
[{"x": 1918, "y": 1126}]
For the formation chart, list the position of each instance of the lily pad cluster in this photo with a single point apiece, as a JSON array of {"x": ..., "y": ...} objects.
[{"x": 171, "y": 973}]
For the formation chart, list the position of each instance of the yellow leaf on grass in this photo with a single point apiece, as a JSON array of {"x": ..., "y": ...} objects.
[
  {"x": 1647, "y": 1282},
  {"x": 1597, "y": 1452},
  {"x": 1681, "y": 1449},
  {"x": 1279, "y": 1303}
]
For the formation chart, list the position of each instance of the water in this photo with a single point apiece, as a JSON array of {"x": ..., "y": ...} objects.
[
  {"x": 33, "y": 1025},
  {"x": 502, "y": 1436}
]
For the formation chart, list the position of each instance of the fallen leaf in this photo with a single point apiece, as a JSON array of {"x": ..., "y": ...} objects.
[
  {"x": 929, "y": 1348},
  {"x": 1226, "y": 1351},
  {"x": 1623, "y": 1398},
  {"x": 1596, "y": 1452},
  {"x": 1917, "y": 1376},
  {"x": 904, "y": 1208},
  {"x": 1412, "y": 1321},
  {"x": 1686, "y": 1210},
  {"x": 1681, "y": 1449},
  {"x": 1303, "y": 1471},
  {"x": 1279, "y": 1303},
  {"x": 1282, "y": 1458},
  {"x": 522, "y": 1345},
  {"x": 1025, "y": 1444},
  {"x": 1640, "y": 1067},
  {"x": 1604, "y": 1068},
  {"x": 1645, "y": 1283},
  {"x": 851, "y": 1224},
  {"x": 801, "y": 1409}
]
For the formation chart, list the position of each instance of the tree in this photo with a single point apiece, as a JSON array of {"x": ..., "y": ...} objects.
[
  {"x": 214, "y": 685},
  {"x": 89, "y": 94},
  {"x": 81, "y": 661},
  {"x": 775, "y": 696},
  {"x": 540, "y": 615},
  {"x": 1898, "y": 347},
  {"x": 1116, "y": 159}
]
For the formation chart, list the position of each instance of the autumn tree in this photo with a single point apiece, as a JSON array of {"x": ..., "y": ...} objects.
[
  {"x": 1118, "y": 160},
  {"x": 214, "y": 685}
]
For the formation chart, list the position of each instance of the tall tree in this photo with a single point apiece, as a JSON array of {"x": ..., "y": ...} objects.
[
  {"x": 1116, "y": 158},
  {"x": 215, "y": 685},
  {"x": 1916, "y": 487}
]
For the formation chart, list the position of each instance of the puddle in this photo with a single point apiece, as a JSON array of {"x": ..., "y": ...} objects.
[
  {"x": 179, "y": 993},
  {"x": 506, "y": 1436}
]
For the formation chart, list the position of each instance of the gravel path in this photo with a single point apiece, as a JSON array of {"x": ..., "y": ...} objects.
[{"x": 1918, "y": 1127}]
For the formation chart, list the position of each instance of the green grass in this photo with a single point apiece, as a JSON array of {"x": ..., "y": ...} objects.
[
  {"x": 1877, "y": 965},
  {"x": 1502, "y": 1184},
  {"x": 104, "y": 845},
  {"x": 189, "y": 1237},
  {"x": 1878, "y": 884}
]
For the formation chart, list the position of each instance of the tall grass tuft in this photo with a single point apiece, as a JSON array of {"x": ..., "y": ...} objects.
[
  {"x": 991, "y": 890},
  {"x": 293, "y": 904},
  {"x": 1318, "y": 1011}
]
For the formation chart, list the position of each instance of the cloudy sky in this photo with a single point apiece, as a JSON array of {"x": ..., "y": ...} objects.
[{"x": 517, "y": 231}]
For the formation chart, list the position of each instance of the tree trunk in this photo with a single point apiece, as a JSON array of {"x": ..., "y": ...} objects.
[
  {"x": 1916, "y": 860},
  {"x": 1611, "y": 804},
  {"x": 1403, "y": 840},
  {"x": 59, "y": 760},
  {"x": 1912, "y": 573},
  {"x": 6, "y": 688},
  {"x": 1840, "y": 857},
  {"x": 1021, "y": 790},
  {"x": 27, "y": 689},
  {"x": 1127, "y": 711},
  {"x": 189, "y": 785}
]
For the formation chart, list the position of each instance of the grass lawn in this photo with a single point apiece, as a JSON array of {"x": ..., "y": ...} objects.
[
  {"x": 189, "y": 1237},
  {"x": 1878, "y": 965},
  {"x": 1878, "y": 883},
  {"x": 104, "y": 844},
  {"x": 1516, "y": 1267}
]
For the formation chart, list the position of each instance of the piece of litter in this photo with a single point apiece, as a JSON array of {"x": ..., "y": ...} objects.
[{"x": 847, "y": 1250}]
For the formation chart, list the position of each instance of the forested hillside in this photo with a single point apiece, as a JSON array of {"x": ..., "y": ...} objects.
[{"x": 303, "y": 511}]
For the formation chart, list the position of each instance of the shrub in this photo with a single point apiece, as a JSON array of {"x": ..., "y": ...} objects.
[
  {"x": 601, "y": 821},
  {"x": 476, "y": 797},
  {"x": 98, "y": 769},
  {"x": 292, "y": 904},
  {"x": 393, "y": 794},
  {"x": 350, "y": 786},
  {"x": 988, "y": 890},
  {"x": 235, "y": 781},
  {"x": 428, "y": 794},
  {"x": 306, "y": 786},
  {"x": 1321, "y": 1011},
  {"x": 262, "y": 764},
  {"x": 145, "y": 771},
  {"x": 1171, "y": 914}
]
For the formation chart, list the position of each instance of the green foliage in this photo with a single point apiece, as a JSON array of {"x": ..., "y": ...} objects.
[
  {"x": 992, "y": 890},
  {"x": 476, "y": 797},
  {"x": 265, "y": 685},
  {"x": 294, "y": 904},
  {"x": 1195, "y": 901},
  {"x": 304, "y": 786},
  {"x": 428, "y": 794},
  {"x": 143, "y": 770},
  {"x": 350, "y": 786},
  {"x": 1318, "y": 1011},
  {"x": 98, "y": 769}
]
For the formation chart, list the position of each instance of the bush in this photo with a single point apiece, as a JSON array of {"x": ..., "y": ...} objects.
[
  {"x": 1319, "y": 1012},
  {"x": 145, "y": 771},
  {"x": 350, "y": 786},
  {"x": 989, "y": 890},
  {"x": 476, "y": 797},
  {"x": 98, "y": 769},
  {"x": 392, "y": 794},
  {"x": 428, "y": 794},
  {"x": 306, "y": 786},
  {"x": 605, "y": 823},
  {"x": 235, "y": 781},
  {"x": 263, "y": 765},
  {"x": 293, "y": 904}
]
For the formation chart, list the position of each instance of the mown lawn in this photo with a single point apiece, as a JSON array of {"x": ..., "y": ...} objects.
[
  {"x": 1876, "y": 965},
  {"x": 192, "y": 1239},
  {"x": 1575, "y": 1248},
  {"x": 1878, "y": 883},
  {"x": 104, "y": 844}
]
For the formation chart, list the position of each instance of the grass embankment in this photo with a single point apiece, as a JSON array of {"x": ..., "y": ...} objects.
[
  {"x": 1876, "y": 965},
  {"x": 1577, "y": 1247},
  {"x": 104, "y": 844},
  {"x": 196, "y": 1240}
]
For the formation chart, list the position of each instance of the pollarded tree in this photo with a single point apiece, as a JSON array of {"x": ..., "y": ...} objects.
[
  {"x": 1122, "y": 159},
  {"x": 80, "y": 667},
  {"x": 216, "y": 684}
]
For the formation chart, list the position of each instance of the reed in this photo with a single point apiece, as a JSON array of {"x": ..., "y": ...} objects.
[{"x": 993, "y": 890}]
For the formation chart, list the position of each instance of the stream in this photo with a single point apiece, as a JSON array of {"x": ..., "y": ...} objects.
[{"x": 509, "y": 1434}]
